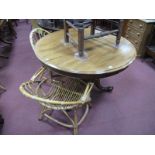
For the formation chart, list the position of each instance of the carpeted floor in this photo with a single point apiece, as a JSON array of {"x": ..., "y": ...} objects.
[{"x": 129, "y": 109}]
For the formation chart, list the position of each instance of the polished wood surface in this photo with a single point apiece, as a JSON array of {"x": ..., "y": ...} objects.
[{"x": 102, "y": 56}]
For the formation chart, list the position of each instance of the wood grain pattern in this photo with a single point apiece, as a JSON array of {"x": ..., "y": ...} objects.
[{"x": 102, "y": 54}]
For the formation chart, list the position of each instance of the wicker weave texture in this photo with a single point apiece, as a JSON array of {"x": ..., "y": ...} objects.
[{"x": 58, "y": 90}]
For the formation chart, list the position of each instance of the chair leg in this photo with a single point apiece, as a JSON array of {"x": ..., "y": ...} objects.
[
  {"x": 90, "y": 105},
  {"x": 118, "y": 36},
  {"x": 47, "y": 113},
  {"x": 2, "y": 87},
  {"x": 75, "y": 122},
  {"x": 43, "y": 110}
]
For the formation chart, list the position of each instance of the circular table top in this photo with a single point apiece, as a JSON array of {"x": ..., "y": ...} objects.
[{"x": 102, "y": 55}]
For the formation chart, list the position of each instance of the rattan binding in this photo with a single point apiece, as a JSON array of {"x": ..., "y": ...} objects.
[{"x": 58, "y": 93}]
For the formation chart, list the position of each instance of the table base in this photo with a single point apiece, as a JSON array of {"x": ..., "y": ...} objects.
[
  {"x": 96, "y": 82},
  {"x": 102, "y": 88}
]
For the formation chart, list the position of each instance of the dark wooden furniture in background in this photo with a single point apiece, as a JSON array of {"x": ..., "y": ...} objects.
[
  {"x": 138, "y": 31},
  {"x": 7, "y": 36},
  {"x": 50, "y": 24},
  {"x": 103, "y": 26},
  {"x": 7, "y": 31},
  {"x": 1, "y": 123},
  {"x": 150, "y": 48}
]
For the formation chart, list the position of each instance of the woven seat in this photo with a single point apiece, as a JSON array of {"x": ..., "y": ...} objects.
[{"x": 58, "y": 93}]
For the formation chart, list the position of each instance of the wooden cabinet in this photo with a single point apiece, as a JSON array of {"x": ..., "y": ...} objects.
[
  {"x": 1, "y": 122},
  {"x": 137, "y": 32}
]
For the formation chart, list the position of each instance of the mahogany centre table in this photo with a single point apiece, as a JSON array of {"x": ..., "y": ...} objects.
[{"x": 102, "y": 57}]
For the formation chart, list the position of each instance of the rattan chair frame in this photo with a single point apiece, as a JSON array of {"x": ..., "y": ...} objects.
[{"x": 49, "y": 103}]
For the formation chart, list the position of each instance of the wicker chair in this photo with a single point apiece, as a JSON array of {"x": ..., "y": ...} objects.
[
  {"x": 59, "y": 93},
  {"x": 37, "y": 34}
]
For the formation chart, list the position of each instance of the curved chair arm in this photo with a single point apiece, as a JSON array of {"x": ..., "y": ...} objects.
[{"x": 84, "y": 98}]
